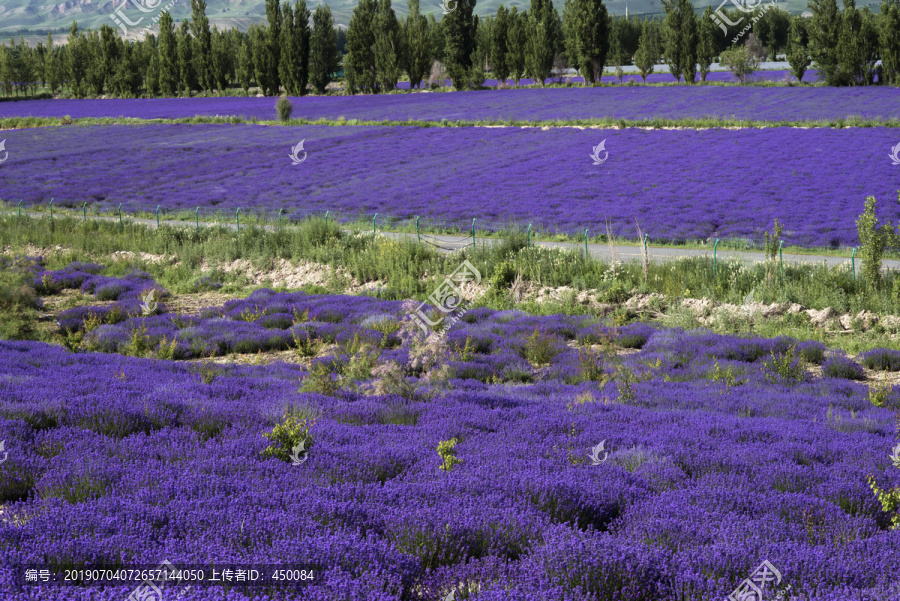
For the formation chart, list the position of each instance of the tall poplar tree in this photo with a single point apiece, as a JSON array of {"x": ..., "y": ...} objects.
[
  {"x": 359, "y": 62},
  {"x": 889, "y": 41},
  {"x": 323, "y": 55},
  {"x": 168, "y": 56},
  {"x": 459, "y": 27},
  {"x": 388, "y": 46},
  {"x": 417, "y": 52},
  {"x": 202, "y": 44},
  {"x": 498, "y": 52},
  {"x": 824, "y": 32}
]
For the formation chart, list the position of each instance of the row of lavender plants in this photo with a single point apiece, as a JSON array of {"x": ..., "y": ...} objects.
[
  {"x": 532, "y": 104},
  {"x": 547, "y": 178},
  {"x": 467, "y": 464}
]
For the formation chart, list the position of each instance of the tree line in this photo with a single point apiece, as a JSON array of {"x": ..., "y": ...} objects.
[{"x": 296, "y": 50}]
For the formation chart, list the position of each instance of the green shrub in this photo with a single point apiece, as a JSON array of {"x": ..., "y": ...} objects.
[
  {"x": 288, "y": 436},
  {"x": 540, "y": 348},
  {"x": 284, "y": 108},
  {"x": 445, "y": 449}
]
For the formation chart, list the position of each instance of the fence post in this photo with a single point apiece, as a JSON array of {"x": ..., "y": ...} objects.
[
  {"x": 51, "y": 208},
  {"x": 84, "y": 212},
  {"x": 237, "y": 216},
  {"x": 197, "y": 217},
  {"x": 418, "y": 235},
  {"x": 645, "y": 243},
  {"x": 157, "y": 216},
  {"x": 326, "y": 217},
  {"x": 781, "y": 260},
  {"x": 20, "y": 208},
  {"x": 280, "y": 211},
  {"x": 853, "y": 262},
  {"x": 374, "y": 231},
  {"x": 473, "y": 234},
  {"x": 528, "y": 236},
  {"x": 121, "y": 227},
  {"x": 586, "y": 256},
  {"x": 715, "y": 247}
]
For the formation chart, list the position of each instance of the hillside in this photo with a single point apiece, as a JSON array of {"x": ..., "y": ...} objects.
[{"x": 34, "y": 17}]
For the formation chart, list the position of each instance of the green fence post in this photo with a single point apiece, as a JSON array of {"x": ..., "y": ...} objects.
[
  {"x": 781, "y": 260},
  {"x": 237, "y": 216},
  {"x": 280, "y": 211},
  {"x": 51, "y": 208},
  {"x": 586, "y": 256},
  {"x": 715, "y": 247},
  {"x": 121, "y": 227},
  {"x": 157, "y": 216},
  {"x": 20, "y": 208},
  {"x": 374, "y": 231},
  {"x": 853, "y": 262},
  {"x": 473, "y": 235},
  {"x": 197, "y": 217},
  {"x": 418, "y": 235},
  {"x": 326, "y": 217},
  {"x": 84, "y": 212},
  {"x": 528, "y": 236},
  {"x": 646, "y": 236}
]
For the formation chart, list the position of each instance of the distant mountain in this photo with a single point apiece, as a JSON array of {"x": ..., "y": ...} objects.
[{"x": 34, "y": 17}]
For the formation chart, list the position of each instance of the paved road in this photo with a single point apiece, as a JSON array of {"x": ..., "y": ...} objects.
[{"x": 451, "y": 243}]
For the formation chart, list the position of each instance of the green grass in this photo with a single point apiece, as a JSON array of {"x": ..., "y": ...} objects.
[
  {"x": 598, "y": 122},
  {"x": 402, "y": 266}
]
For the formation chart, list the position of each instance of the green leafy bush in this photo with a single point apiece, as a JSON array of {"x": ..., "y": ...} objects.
[
  {"x": 288, "y": 436},
  {"x": 446, "y": 450},
  {"x": 284, "y": 108}
]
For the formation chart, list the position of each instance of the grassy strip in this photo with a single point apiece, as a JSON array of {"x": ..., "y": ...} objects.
[
  {"x": 410, "y": 270},
  {"x": 602, "y": 122},
  {"x": 363, "y": 224}
]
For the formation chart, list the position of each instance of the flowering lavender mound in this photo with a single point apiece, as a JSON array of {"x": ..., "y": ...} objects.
[
  {"x": 120, "y": 461},
  {"x": 542, "y": 177},
  {"x": 881, "y": 359},
  {"x": 620, "y": 102},
  {"x": 128, "y": 292}
]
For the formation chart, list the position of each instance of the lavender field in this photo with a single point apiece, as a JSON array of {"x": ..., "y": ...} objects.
[
  {"x": 715, "y": 460},
  {"x": 679, "y": 185},
  {"x": 744, "y": 103}
]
